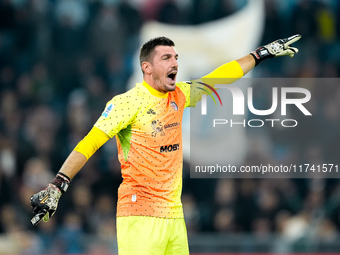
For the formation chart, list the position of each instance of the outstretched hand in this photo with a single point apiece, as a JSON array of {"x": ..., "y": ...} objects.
[{"x": 277, "y": 48}]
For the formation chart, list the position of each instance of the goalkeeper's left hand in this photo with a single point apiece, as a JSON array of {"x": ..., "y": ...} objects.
[{"x": 277, "y": 48}]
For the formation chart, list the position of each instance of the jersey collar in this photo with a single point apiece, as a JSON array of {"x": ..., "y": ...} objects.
[{"x": 154, "y": 91}]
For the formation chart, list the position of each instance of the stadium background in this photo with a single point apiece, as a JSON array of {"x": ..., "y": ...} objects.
[{"x": 61, "y": 61}]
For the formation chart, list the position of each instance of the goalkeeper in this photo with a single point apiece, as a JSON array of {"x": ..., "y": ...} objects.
[{"x": 147, "y": 122}]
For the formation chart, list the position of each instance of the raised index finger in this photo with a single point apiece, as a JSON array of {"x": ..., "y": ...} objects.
[{"x": 292, "y": 39}]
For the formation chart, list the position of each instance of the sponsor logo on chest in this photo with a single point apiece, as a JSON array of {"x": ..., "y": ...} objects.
[{"x": 169, "y": 148}]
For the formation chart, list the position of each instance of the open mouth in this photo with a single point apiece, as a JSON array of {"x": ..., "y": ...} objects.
[{"x": 172, "y": 75}]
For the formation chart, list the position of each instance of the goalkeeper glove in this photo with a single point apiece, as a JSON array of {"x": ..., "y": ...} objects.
[
  {"x": 45, "y": 203},
  {"x": 277, "y": 48}
]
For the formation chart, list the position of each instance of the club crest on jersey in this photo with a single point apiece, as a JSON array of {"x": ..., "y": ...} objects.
[
  {"x": 157, "y": 128},
  {"x": 174, "y": 105},
  {"x": 108, "y": 110}
]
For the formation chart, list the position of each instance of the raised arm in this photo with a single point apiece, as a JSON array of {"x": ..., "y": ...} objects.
[
  {"x": 232, "y": 71},
  {"x": 246, "y": 63},
  {"x": 277, "y": 48}
]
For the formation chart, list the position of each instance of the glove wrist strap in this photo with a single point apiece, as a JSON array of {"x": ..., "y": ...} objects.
[
  {"x": 256, "y": 57},
  {"x": 260, "y": 54},
  {"x": 62, "y": 182}
]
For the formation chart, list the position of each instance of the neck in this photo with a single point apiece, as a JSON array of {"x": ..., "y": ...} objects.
[
  {"x": 152, "y": 83},
  {"x": 153, "y": 91}
]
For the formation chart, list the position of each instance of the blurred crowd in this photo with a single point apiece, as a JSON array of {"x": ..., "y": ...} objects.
[{"x": 61, "y": 61}]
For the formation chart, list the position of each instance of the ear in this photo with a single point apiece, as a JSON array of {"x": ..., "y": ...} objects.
[{"x": 147, "y": 67}]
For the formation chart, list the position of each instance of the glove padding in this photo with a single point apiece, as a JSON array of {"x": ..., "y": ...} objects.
[
  {"x": 45, "y": 203},
  {"x": 277, "y": 48}
]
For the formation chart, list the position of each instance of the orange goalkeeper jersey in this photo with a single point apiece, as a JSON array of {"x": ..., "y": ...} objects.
[
  {"x": 149, "y": 138},
  {"x": 148, "y": 128}
]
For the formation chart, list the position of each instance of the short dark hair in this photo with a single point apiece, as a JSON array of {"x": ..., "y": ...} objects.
[{"x": 147, "y": 50}]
